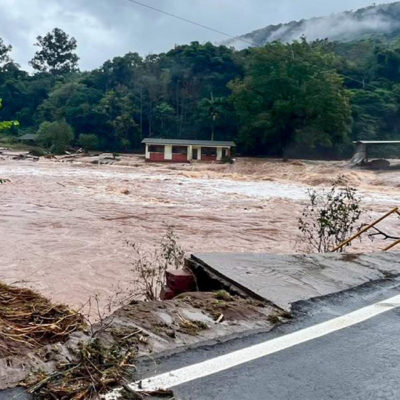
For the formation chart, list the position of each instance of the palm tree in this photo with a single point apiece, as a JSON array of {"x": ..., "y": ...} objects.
[{"x": 213, "y": 107}]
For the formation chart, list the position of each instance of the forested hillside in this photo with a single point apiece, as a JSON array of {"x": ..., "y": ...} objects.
[
  {"x": 376, "y": 21},
  {"x": 296, "y": 99}
]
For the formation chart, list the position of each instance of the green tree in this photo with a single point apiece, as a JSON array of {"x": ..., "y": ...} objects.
[
  {"x": 76, "y": 103},
  {"x": 164, "y": 116},
  {"x": 388, "y": 63},
  {"x": 213, "y": 108},
  {"x": 376, "y": 114},
  {"x": 4, "y": 125},
  {"x": 120, "y": 71},
  {"x": 283, "y": 99},
  {"x": 88, "y": 141},
  {"x": 195, "y": 71},
  {"x": 291, "y": 95},
  {"x": 56, "y": 136},
  {"x": 118, "y": 107},
  {"x": 56, "y": 54},
  {"x": 4, "y": 53}
]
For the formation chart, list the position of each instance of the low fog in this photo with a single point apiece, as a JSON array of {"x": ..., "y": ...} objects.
[
  {"x": 109, "y": 28},
  {"x": 340, "y": 26}
]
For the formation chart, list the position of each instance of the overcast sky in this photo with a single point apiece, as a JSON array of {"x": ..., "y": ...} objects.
[{"x": 108, "y": 28}]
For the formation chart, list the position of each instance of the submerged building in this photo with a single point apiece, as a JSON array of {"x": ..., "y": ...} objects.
[
  {"x": 182, "y": 150},
  {"x": 361, "y": 156}
]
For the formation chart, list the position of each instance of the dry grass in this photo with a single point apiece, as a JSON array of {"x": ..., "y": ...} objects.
[{"x": 29, "y": 321}]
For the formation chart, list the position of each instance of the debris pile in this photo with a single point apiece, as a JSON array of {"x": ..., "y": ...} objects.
[
  {"x": 83, "y": 368},
  {"x": 29, "y": 321},
  {"x": 95, "y": 370}
]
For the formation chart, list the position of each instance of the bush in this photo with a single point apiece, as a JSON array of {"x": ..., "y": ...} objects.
[
  {"x": 330, "y": 217},
  {"x": 88, "y": 141},
  {"x": 150, "y": 267},
  {"x": 6, "y": 139},
  {"x": 55, "y": 136},
  {"x": 37, "y": 152}
]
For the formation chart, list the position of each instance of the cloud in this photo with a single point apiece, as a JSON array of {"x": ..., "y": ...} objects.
[
  {"x": 339, "y": 26},
  {"x": 107, "y": 28}
]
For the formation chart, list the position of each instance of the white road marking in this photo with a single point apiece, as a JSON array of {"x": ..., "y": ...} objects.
[{"x": 231, "y": 360}]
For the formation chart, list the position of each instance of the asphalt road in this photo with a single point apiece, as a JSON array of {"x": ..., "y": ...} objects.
[
  {"x": 360, "y": 362},
  {"x": 14, "y": 394}
]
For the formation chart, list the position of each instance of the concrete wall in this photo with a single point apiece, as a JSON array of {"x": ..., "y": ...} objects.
[
  {"x": 168, "y": 153},
  {"x": 219, "y": 153},
  {"x": 189, "y": 153},
  {"x": 198, "y": 152}
]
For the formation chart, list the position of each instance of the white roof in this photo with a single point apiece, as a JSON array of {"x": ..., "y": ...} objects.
[
  {"x": 189, "y": 142},
  {"x": 377, "y": 141}
]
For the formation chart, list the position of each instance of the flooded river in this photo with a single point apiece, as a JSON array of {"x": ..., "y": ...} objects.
[{"x": 64, "y": 225}]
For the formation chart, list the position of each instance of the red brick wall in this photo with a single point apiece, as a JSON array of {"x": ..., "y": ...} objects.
[
  {"x": 156, "y": 156},
  {"x": 208, "y": 158},
  {"x": 179, "y": 157}
]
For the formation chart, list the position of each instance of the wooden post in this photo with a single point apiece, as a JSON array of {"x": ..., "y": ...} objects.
[{"x": 397, "y": 242}]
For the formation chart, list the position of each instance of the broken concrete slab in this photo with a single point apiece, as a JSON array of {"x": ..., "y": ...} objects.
[{"x": 286, "y": 279}]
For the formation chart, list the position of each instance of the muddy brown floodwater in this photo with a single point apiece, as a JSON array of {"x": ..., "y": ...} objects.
[{"x": 64, "y": 225}]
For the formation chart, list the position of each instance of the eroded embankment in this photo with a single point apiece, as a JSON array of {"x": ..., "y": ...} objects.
[{"x": 54, "y": 352}]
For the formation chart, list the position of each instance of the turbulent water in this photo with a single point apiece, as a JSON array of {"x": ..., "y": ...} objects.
[{"x": 64, "y": 226}]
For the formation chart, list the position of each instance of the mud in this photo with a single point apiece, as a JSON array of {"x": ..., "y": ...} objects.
[
  {"x": 64, "y": 223},
  {"x": 188, "y": 320}
]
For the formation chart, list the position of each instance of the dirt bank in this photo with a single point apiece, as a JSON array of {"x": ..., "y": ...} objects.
[{"x": 65, "y": 224}]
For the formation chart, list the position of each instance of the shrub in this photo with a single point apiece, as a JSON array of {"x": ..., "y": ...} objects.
[
  {"x": 37, "y": 152},
  {"x": 150, "y": 267},
  {"x": 88, "y": 141},
  {"x": 330, "y": 217},
  {"x": 55, "y": 136}
]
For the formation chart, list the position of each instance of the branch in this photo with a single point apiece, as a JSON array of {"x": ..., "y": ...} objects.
[{"x": 385, "y": 235}]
